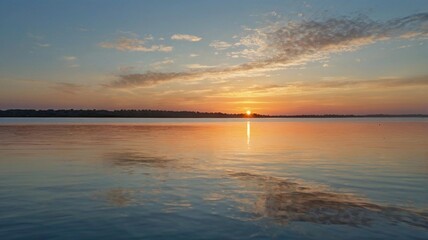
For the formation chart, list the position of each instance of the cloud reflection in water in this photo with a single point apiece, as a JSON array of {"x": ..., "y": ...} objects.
[
  {"x": 287, "y": 201},
  {"x": 136, "y": 158},
  {"x": 118, "y": 197},
  {"x": 279, "y": 199}
]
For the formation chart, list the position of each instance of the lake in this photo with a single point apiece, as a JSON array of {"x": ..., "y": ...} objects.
[{"x": 82, "y": 178}]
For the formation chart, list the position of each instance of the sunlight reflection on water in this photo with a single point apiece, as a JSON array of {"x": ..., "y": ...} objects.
[{"x": 248, "y": 133}]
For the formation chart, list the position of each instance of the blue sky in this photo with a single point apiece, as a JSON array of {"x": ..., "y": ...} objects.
[{"x": 96, "y": 54}]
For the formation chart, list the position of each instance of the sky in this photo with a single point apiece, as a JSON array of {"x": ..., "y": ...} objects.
[{"x": 270, "y": 57}]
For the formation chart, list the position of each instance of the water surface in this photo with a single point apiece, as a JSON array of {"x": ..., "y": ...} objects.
[{"x": 213, "y": 178}]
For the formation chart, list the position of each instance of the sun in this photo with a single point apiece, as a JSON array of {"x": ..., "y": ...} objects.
[{"x": 248, "y": 112}]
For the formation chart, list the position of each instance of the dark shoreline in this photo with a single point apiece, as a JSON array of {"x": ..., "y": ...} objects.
[{"x": 71, "y": 113}]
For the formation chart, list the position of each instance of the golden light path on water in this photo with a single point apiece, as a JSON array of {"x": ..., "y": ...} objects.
[{"x": 248, "y": 133}]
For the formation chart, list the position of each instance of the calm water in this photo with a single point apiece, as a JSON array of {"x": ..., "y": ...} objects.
[{"x": 213, "y": 179}]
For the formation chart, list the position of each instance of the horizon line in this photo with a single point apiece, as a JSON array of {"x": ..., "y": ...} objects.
[{"x": 223, "y": 114}]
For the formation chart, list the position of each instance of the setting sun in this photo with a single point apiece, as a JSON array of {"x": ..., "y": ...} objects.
[{"x": 248, "y": 112}]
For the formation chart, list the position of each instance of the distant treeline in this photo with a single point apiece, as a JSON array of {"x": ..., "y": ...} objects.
[
  {"x": 348, "y": 116},
  {"x": 116, "y": 113},
  {"x": 167, "y": 114}
]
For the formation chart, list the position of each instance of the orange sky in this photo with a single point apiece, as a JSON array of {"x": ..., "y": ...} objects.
[{"x": 275, "y": 58}]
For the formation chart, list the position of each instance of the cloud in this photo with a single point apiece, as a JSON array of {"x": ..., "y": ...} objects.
[
  {"x": 193, "y": 55},
  {"x": 71, "y": 61},
  {"x": 149, "y": 37},
  {"x": 282, "y": 45},
  {"x": 264, "y": 88},
  {"x": 220, "y": 45},
  {"x": 186, "y": 37},
  {"x": 198, "y": 66},
  {"x": 404, "y": 46},
  {"x": 126, "y": 68},
  {"x": 135, "y": 45},
  {"x": 69, "y": 58},
  {"x": 413, "y": 35},
  {"x": 147, "y": 79},
  {"x": 162, "y": 63},
  {"x": 336, "y": 84},
  {"x": 418, "y": 81},
  {"x": 39, "y": 39},
  {"x": 69, "y": 88}
]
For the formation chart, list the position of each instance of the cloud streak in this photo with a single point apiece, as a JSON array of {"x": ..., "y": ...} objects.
[
  {"x": 148, "y": 78},
  {"x": 160, "y": 64},
  {"x": 40, "y": 40},
  {"x": 220, "y": 45},
  {"x": 282, "y": 45},
  {"x": 337, "y": 84},
  {"x": 135, "y": 45},
  {"x": 69, "y": 88},
  {"x": 71, "y": 61},
  {"x": 69, "y": 58},
  {"x": 420, "y": 81},
  {"x": 186, "y": 37},
  {"x": 198, "y": 66}
]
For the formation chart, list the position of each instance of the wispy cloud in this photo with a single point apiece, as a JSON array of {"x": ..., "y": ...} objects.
[
  {"x": 220, "y": 45},
  {"x": 71, "y": 61},
  {"x": 69, "y": 58},
  {"x": 264, "y": 88},
  {"x": 404, "y": 46},
  {"x": 186, "y": 37},
  {"x": 148, "y": 78},
  {"x": 69, "y": 88},
  {"x": 125, "y": 69},
  {"x": 337, "y": 84},
  {"x": 420, "y": 81},
  {"x": 282, "y": 45},
  {"x": 198, "y": 66},
  {"x": 160, "y": 64},
  {"x": 135, "y": 44},
  {"x": 39, "y": 39}
]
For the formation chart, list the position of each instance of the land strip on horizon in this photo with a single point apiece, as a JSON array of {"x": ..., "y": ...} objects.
[{"x": 147, "y": 113}]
